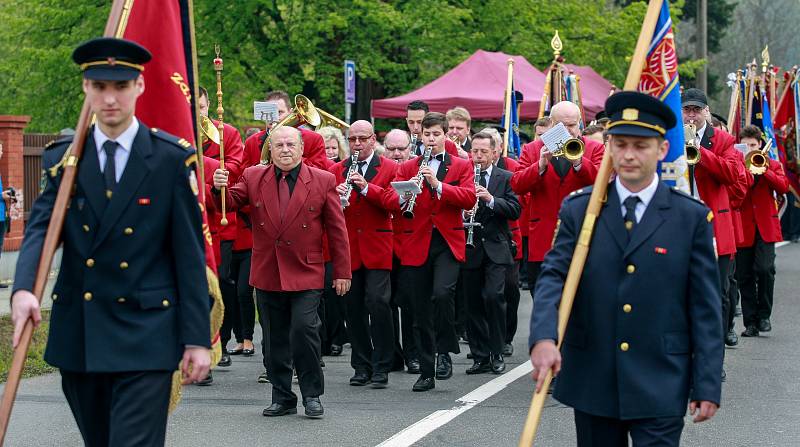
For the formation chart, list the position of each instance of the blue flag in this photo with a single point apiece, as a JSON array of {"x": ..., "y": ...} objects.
[
  {"x": 513, "y": 138},
  {"x": 660, "y": 79},
  {"x": 762, "y": 117}
]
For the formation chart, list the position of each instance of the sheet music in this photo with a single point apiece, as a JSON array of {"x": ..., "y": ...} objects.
[
  {"x": 265, "y": 111},
  {"x": 555, "y": 137},
  {"x": 407, "y": 185}
]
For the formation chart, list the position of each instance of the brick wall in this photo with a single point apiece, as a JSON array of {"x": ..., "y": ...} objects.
[{"x": 12, "y": 169}]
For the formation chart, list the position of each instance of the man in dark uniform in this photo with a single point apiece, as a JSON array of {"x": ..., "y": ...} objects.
[
  {"x": 635, "y": 354},
  {"x": 131, "y": 300},
  {"x": 484, "y": 272}
]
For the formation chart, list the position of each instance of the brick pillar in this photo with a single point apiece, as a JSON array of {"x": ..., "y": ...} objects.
[{"x": 12, "y": 169}]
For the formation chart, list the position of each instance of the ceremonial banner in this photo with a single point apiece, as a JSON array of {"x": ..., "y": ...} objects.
[
  {"x": 660, "y": 79},
  {"x": 514, "y": 146},
  {"x": 164, "y": 27},
  {"x": 760, "y": 117},
  {"x": 786, "y": 131}
]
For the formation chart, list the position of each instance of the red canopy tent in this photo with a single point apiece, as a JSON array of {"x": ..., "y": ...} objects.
[
  {"x": 478, "y": 84},
  {"x": 594, "y": 89}
]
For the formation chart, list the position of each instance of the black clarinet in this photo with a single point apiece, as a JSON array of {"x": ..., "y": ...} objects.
[
  {"x": 471, "y": 224},
  {"x": 408, "y": 212}
]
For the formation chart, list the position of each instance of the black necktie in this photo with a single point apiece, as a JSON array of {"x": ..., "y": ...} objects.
[
  {"x": 439, "y": 157},
  {"x": 361, "y": 165},
  {"x": 561, "y": 166},
  {"x": 109, "y": 169},
  {"x": 630, "y": 212},
  {"x": 484, "y": 178}
]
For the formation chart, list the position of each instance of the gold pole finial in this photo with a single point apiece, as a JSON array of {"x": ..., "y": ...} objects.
[
  {"x": 556, "y": 45},
  {"x": 764, "y": 59}
]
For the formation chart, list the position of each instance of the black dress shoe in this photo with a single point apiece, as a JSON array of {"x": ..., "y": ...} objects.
[
  {"x": 225, "y": 360},
  {"x": 750, "y": 331},
  {"x": 413, "y": 366},
  {"x": 764, "y": 325},
  {"x": 444, "y": 366},
  {"x": 336, "y": 350},
  {"x": 498, "y": 365},
  {"x": 277, "y": 409},
  {"x": 424, "y": 384},
  {"x": 313, "y": 407},
  {"x": 359, "y": 379},
  {"x": 479, "y": 367},
  {"x": 238, "y": 351},
  {"x": 248, "y": 352},
  {"x": 207, "y": 381},
  {"x": 731, "y": 339},
  {"x": 380, "y": 380},
  {"x": 508, "y": 350}
]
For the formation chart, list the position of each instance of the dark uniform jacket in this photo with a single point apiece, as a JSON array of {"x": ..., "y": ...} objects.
[
  {"x": 493, "y": 237},
  {"x": 132, "y": 289},
  {"x": 644, "y": 334}
]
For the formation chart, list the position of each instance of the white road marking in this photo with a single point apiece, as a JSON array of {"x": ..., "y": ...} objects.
[
  {"x": 425, "y": 426},
  {"x": 781, "y": 244}
]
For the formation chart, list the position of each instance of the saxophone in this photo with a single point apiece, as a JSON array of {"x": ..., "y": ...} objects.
[
  {"x": 471, "y": 224},
  {"x": 345, "y": 198},
  {"x": 408, "y": 212}
]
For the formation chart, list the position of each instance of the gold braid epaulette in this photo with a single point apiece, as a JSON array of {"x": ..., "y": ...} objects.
[{"x": 66, "y": 160}]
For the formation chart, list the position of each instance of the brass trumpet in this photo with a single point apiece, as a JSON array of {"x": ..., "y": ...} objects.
[
  {"x": 303, "y": 112},
  {"x": 210, "y": 131},
  {"x": 571, "y": 149},
  {"x": 690, "y": 137},
  {"x": 757, "y": 161}
]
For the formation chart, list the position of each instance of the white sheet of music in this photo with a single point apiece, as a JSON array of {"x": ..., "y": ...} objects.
[
  {"x": 406, "y": 185},
  {"x": 555, "y": 137}
]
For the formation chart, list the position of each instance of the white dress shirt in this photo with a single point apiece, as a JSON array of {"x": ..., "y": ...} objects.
[
  {"x": 645, "y": 196},
  {"x": 363, "y": 171},
  {"x": 123, "y": 152},
  {"x": 489, "y": 176}
]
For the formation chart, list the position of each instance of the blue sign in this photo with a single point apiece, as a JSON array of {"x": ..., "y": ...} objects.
[{"x": 349, "y": 82}]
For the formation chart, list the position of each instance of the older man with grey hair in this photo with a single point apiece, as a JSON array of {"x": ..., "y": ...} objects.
[{"x": 398, "y": 145}]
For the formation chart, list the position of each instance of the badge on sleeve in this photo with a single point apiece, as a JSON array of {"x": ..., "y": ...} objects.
[
  {"x": 710, "y": 216},
  {"x": 193, "y": 182}
]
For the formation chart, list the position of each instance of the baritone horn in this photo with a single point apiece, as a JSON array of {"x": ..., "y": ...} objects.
[
  {"x": 571, "y": 149},
  {"x": 757, "y": 161},
  {"x": 328, "y": 120},
  {"x": 690, "y": 137},
  {"x": 303, "y": 112},
  {"x": 210, "y": 131}
]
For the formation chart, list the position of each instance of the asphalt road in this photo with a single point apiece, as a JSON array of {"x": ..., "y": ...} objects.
[{"x": 761, "y": 400}]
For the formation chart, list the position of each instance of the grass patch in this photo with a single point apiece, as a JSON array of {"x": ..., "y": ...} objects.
[{"x": 35, "y": 364}]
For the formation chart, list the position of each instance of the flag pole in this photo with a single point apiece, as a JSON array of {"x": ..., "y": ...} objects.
[
  {"x": 115, "y": 26},
  {"x": 507, "y": 123},
  {"x": 592, "y": 212},
  {"x": 735, "y": 97}
]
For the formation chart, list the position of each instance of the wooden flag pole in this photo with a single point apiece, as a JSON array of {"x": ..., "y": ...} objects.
[
  {"x": 592, "y": 212},
  {"x": 507, "y": 123}
]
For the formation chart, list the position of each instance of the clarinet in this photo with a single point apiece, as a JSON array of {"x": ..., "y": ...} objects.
[
  {"x": 408, "y": 212},
  {"x": 413, "y": 144},
  {"x": 471, "y": 224},
  {"x": 345, "y": 198}
]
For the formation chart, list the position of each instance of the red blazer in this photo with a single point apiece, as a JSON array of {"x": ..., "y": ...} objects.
[
  {"x": 760, "y": 209},
  {"x": 369, "y": 223},
  {"x": 736, "y": 194},
  {"x": 209, "y": 166},
  {"x": 548, "y": 190},
  {"x": 717, "y": 170},
  {"x": 511, "y": 165},
  {"x": 287, "y": 256},
  {"x": 244, "y": 235},
  {"x": 234, "y": 155},
  {"x": 313, "y": 147},
  {"x": 458, "y": 193}
]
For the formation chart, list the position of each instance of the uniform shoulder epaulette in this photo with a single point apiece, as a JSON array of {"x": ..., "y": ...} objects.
[
  {"x": 682, "y": 193},
  {"x": 579, "y": 192},
  {"x": 58, "y": 142},
  {"x": 168, "y": 137}
]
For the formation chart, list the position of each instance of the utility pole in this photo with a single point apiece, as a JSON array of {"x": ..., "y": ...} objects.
[{"x": 702, "y": 43}]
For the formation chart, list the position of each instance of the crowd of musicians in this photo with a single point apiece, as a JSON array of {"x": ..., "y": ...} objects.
[{"x": 428, "y": 270}]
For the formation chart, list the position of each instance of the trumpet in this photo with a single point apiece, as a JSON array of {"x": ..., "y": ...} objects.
[
  {"x": 345, "y": 198},
  {"x": 303, "y": 112},
  {"x": 692, "y": 151},
  {"x": 757, "y": 161},
  {"x": 408, "y": 211},
  {"x": 471, "y": 224},
  {"x": 571, "y": 149}
]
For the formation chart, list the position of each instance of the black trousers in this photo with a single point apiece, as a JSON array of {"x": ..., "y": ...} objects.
[
  {"x": 724, "y": 264},
  {"x": 332, "y": 314},
  {"x": 434, "y": 285},
  {"x": 733, "y": 294},
  {"x": 119, "y": 409},
  {"x": 598, "y": 431},
  {"x": 460, "y": 302},
  {"x": 240, "y": 271},
  {"x": 227, "y": 285},
  {"x": 484, "y": 288},
  {"x": 523, "y": 265},
  {"x": 402, "y": 296},
  {"x": 512, "y": 300},
  {"x": 790, "y": 222},
  {"x": 369, "y": 321},
  {"x": 756, "y": 276},
  {"x": 533, "y": 274},
  {"x": 292, "y": 338}
]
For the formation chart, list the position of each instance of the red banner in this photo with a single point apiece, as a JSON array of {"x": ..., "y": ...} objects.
[{"x": 785, "y": 126}]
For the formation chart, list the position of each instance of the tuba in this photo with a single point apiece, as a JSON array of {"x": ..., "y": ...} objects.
[
  {"x": 757, "y": 161},
  {"x": 303, "y": 112},
  {"x": 690, "y": 137},
  {"x": 210, "y": 131},
  {"x": 572, "y": 149}
]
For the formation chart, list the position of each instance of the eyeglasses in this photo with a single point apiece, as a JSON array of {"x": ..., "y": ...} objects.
[
  {"x": 398, "y": 148},
  {"x": 360, "y": 139}
]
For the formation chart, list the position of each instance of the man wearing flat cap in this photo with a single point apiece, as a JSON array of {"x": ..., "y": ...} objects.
[
  {"x": 130, "y": 304},
  {"x": 637, "y": 350}
]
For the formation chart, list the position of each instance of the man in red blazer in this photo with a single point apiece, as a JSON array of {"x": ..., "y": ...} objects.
[
  {"x": 415, "y": 112},
  {"x": 369, "y": 228},
  {"x": 224, "y": 235},
  {"x": 313, "y": 144},
  {"x": 761, "y": 228},
  {"x": 713, "y": 174},
  {"x": 292, "y": 206},
  {"x": 434, "y": 246},
  {"x": 548, "y": 180}
]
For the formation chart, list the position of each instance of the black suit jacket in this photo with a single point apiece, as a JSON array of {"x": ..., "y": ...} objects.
[
  {"x": 132, "y": 288},
  {"x": 492, "y": 238}
]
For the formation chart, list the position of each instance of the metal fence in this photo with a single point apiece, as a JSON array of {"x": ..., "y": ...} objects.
[{"x": 32, "y": 147}]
